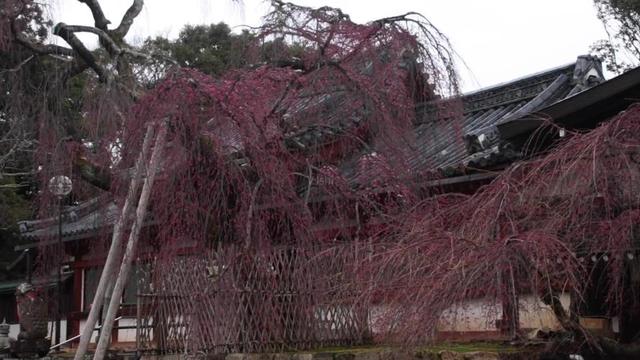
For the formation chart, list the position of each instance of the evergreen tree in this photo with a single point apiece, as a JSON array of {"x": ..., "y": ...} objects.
[{"x": 621, "y": 19}]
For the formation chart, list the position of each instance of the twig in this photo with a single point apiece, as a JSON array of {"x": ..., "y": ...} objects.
[{"x": 17, "y": 67}]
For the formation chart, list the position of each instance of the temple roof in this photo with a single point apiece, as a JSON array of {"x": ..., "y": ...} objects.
[
  {"x": 453, "y": 146},
  {"x": 78, "y": 221},
  {"x": 482, "y": 139},
  {"x": 446, "y": 144}
]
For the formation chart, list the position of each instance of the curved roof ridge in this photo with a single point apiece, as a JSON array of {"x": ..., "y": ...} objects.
[{"x": 557, "y": 69}]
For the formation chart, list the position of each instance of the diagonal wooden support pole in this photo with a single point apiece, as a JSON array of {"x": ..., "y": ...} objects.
[
  {"x": 116, "y": 243},
  {"x": 125, "y": 267}
]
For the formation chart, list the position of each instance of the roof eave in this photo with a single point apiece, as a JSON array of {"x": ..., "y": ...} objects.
[{"x": 595, "y": 104}]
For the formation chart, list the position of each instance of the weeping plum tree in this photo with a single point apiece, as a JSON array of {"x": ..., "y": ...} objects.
[
  {"x": 562, "y": 223},
  {"x": 296, "y": 163},
  {"x": 250, "y": 155}
]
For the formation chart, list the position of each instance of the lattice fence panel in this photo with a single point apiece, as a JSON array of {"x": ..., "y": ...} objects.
[{"x": 288, "y": 298}]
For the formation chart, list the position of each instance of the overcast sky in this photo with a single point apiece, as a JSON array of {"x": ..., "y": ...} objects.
[{"x": 499, "y": 40}]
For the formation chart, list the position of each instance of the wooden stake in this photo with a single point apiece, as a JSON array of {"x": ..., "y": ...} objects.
[
  {"x": 125, "y": 267},
  {"x": 114, "y": 250}
]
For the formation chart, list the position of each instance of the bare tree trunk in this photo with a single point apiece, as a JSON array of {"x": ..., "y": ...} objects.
[
  {"x": 604, "y": 347},
  {"x": 125, "y": 267},
  {"x": 114, "y": 250}
]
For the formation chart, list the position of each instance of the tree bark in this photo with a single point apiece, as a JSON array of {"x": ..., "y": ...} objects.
[
  {"x": 62, "y": 30},
  {"x": 127, "y": 20},
  {"x": 604, "y": 346},
  {"x": 114, "y": 250},
  {"x": 125, "y": 267},
  {"x": 97, "y": 176},
  {"x": 619, "y": 351},
  {"x": 101, "y": 21}
]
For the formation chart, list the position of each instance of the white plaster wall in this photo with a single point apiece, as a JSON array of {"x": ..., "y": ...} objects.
[
  {"x": 127, "y": 335},
  {"x": 14, "y": 330},
  {"x": 534, "y": 314},
  {"x": 472, "y": 315},
  {"x": 63, "y": 329},
  {"x": 93, "y": 339},
  {"x": 481, "y": 315},
  {"x": 124, "y": 335}
]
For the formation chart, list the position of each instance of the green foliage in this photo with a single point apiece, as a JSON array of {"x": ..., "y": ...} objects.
[
  {"x": 14, "y": 206},
  {"x": 212, "y": 49},
  {"x": 26, "y": 16},
  {"x": 621, "y": 18}
]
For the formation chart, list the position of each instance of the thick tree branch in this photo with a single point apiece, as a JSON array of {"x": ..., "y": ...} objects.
[
  {"x": 13, "y": 186},
  {"x": 37, "y": 48},
  {"x": 93, "y": 174},
  {"x": 43, "y": 49},
  {"x": 111, "y": 40},
  {"x": 74, "y": 69},
  {"x": 16, "y": 174},
  {"x": 105, "y": 39},
  {"x": 552, "y": 300},
  {"x": 127, "y": 20},
  {"x": 100, "y": 20},
  {"x": 148, "y": 56},
  {"x": 62, "y": 30}
]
